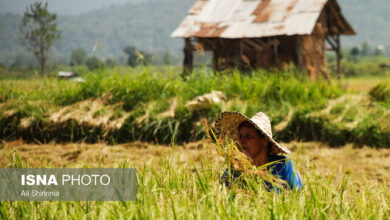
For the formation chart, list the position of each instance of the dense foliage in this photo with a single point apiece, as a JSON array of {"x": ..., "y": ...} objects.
[{"x": 39, "y": 32}]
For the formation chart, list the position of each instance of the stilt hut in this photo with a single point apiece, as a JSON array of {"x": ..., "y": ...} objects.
[{"x": 263, "y": 33}]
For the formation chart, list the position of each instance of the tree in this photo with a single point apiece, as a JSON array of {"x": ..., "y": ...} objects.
[
  {"x": 39, "y": 32},
  {"x": 365, "y": 49},
  {"x": 78, "y": 57},
  {"x": 167, "y": 58},
  {"x": 22, "y": 60},
  {"x": 144, "y": 58},
  {"x": 94, "y": 63},
  {"x": 110, "y": 63},
  {"x": 130, "y": 51},
  {"x": 354, "y": 52},
  {"x": 135, "y": 57}
]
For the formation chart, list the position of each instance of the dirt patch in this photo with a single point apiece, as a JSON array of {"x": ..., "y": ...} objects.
[{"x": 95, "y": 155}]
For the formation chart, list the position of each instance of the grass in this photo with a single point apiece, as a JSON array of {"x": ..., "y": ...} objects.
[
  {"x": 361, "y": 84},
  {"x": 148, "y": 84},
  {"x": 144, "y": 94},
  {"x": 364, "y": 66},
  {"x": 183, "y": 182},
  {"x": 172, "y": 187},
  {"x": 381, "y": 92},
  {"x": 120, "y": 105},
  {"x": 348, "y": 119}
]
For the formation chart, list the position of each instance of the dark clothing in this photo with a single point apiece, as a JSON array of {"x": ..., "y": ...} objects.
[{"x": 282, "y": 169}]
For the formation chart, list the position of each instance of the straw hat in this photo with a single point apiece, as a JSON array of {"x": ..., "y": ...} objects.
[{"x": 227, "y": 124}]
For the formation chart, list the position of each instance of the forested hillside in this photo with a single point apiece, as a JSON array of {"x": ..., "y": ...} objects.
[
  {"x": 148, "y": 25},
  {"x": 370, "y": 19},
  {"x": 61, "y": 7}
]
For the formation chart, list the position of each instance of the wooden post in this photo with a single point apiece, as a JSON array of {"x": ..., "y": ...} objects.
[
  {"x": 236, "y": 53},
  {"x": 215, "y": 60},
  {"x": 188, "y": 57},
  {"x": 298, "y": 52},
  {"x": 339, "y": 57},
  {"x": 275, "y": 44}
]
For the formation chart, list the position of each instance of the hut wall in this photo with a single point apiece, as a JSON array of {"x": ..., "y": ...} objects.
[
  {"x": 286, "y": 50},
  {"x": 255, "y": 58},
  {"x": 311, "y": 49},
  {"x": 265, "y": 57},
  {"x": 227, "y": 53}
]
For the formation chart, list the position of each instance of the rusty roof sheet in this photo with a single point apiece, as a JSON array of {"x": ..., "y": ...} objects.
[{"x": 250, "y": 18}]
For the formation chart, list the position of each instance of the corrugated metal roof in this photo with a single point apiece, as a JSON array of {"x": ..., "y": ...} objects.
[{"x": 250, "y": 18}]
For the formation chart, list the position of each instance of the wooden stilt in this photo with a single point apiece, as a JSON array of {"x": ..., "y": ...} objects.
[
  {"x": 339, "y": 57},
  {"x": 188, "y": 57},
  {"x": 215, "y": 60},
  {"x": 275, "y": 44},
  {"x": 236, "y": 53}
]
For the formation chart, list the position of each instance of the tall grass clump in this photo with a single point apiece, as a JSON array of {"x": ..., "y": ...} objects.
[
  {"x": 169, "y": 190},
  {"x": 354, "y": 119},
  {"x": 270, "y": 92},
  {"x": 151, "y": 84},
  {"x": 381, "y": 92},
  {"x": 145, "y": 93}
]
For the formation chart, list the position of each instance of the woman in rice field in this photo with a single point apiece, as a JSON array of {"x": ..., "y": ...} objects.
[{"x": 254, "y": 138}]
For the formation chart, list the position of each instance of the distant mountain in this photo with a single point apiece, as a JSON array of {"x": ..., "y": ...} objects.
[
  {"x": 370, "y": 19},
  {"x": 147, "y": 24},
  {"x": 61, "y": 7}
]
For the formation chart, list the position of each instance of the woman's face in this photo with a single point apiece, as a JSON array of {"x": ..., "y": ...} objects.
[{"x": 251, "y": 142}]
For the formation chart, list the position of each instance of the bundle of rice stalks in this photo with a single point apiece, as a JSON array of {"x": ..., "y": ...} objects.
[
  {"x": 92, "y": 112},
  {"x": 239, "y": 163},
  {"x": 381, "y": 92}
]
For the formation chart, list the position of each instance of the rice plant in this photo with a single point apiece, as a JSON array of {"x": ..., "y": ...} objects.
[{"x": 193, "y": 191}]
